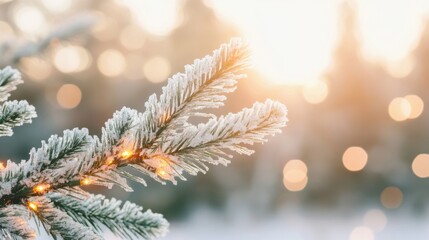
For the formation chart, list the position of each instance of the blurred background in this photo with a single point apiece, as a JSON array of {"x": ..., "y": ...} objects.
[{"x": 353, "y": 162}]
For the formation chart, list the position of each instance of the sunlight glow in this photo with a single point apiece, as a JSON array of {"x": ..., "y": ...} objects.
[
  {"x": 156, "y": 17},
  {"x": 390, "y": 37},
  {"x": 294, "y": 41},
  {"x": 401, "y": 68}
]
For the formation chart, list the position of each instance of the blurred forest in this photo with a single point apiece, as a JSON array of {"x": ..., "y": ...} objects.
[{"x": 356, "y": 131}]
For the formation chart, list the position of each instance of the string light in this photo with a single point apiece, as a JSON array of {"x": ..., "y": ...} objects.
[
  {"x": 110, "y": 160},
  {"x": 41, "y": 188},
  {"x": 85, "y": 181},
  {"x": 162, "y": 161},
  {"x": 126, "y": 154},
  {"x": 161, "y": 172},
  {"x": 32, "y": 206}
]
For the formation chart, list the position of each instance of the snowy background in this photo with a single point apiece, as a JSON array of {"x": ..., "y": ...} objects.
[{"x": 352, "y": 164}]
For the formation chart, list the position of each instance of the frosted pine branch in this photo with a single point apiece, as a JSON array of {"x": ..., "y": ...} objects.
[
  {"x": 12, "y": 53},
  {"x": 43, "y": 162},
  {"x": 210, "y": 142},
  {"x": 14, "y": 113},
  {"x": 203, "y": 85},
  {"x": 125, "y": 220},
  {"x": 58, "y": 223},
  {"x": 159, "y": 143},
  {"x": 9, "y": 79},
  {"x": 13, "y": 223}
]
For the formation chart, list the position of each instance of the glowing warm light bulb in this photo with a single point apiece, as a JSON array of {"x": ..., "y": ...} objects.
[
  {"x": 126, "y": 154},
  {"x": 1, "y": 166},
  {"x": 85, "y": 181},
  {"x": 32, "y": 205},
  {"x": 162, "y": 161},
  {"x": 40, "y": 188},
  {"x": 161, "y": 172},
  {"x": 110, "y": 160},
  {"x": 160, "y": 164}
]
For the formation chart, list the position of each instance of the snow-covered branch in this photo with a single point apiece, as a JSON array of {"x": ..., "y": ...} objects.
[
  {"x": 125, "y": 220},
  {"x": 203, "y": 85},
  {"x": 209, "y": 143},
  {"x": 12, "y": 113},
  {"x": 9, "y": 79},
  {"x": 13, "y": 223},
  {"x": 12, "y": 53},
  {"x": 15, "y": 113},
  {"x": 58, "y": 223},
  {"x": 159, "y": 142}
]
